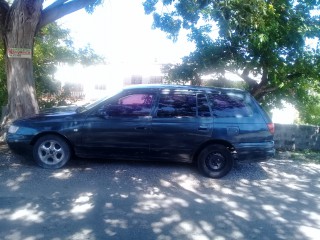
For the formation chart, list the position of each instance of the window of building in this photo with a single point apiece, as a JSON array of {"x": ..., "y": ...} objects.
[
  {"x": 136, "y": 79},
  {"x": 155, "y": 80},
  {"x": 100, "y": 87}
]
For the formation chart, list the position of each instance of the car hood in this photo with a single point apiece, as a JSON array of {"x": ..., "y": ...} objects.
[
  {"x": 50, "y": 114},
  {"x": 58, "y": 111}
]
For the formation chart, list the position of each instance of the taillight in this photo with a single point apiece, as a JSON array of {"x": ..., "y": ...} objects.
[{"x": 271, "y": 128}]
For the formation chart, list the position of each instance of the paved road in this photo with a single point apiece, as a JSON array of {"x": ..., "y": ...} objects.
[{"x": 124, "y": 200}]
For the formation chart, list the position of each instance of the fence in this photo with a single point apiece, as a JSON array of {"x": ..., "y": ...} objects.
[{"x": 297, "y": 137}]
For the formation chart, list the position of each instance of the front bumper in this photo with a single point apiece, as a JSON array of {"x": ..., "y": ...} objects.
[{"x": 19, "y": 143}]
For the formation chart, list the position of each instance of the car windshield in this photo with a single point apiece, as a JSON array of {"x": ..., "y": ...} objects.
[{"x": 89, "y": 106}]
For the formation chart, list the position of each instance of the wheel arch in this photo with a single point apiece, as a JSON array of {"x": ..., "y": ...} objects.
[
  {"x": 35, "y": 139},
  {"x": 224, "y": 143}
]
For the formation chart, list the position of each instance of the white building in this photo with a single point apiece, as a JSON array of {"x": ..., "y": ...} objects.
[{"x": 102, "y": 80}]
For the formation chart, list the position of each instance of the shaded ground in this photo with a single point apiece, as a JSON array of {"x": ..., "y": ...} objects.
[{"x": 129, "y": 200}]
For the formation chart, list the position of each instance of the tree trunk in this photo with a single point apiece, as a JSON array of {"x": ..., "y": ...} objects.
[{"x": 21, "y": 27}]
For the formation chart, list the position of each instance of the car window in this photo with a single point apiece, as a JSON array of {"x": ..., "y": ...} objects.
[
  {"x": 177, "y": 105},
  {"x": 203, "y": 106},
  {"x": 132, "y": 105},
  {"x": 230, "y": 105}
]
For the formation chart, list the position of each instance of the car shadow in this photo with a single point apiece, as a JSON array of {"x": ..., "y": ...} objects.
[{"x": 249, "y": 171}]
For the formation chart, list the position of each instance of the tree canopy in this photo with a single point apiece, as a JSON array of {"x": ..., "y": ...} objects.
[
  {"x": 261, "y": 42},
  {"x": 53, "y": 46}
]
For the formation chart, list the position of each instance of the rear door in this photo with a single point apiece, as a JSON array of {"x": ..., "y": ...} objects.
[
  {"x": 176, "y": 129},
  {"x": 238, "y": 121}
]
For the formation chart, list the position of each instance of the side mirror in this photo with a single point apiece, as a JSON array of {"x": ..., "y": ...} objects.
[{"x": 102, "y": 113}]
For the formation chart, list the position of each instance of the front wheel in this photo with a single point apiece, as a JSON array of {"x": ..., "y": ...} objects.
[
  {"x": 215, "y": 161},
  {"x": 51, "y": 151}
]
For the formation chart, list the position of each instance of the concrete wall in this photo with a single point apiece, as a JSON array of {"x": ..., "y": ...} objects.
[{"x": 297, "y": 137}]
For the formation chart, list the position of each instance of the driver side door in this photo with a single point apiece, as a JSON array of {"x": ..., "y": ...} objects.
[{"x": 120, "y": 127}]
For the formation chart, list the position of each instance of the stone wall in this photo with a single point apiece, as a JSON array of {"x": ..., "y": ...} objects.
[{"x": 297, "y": 137}]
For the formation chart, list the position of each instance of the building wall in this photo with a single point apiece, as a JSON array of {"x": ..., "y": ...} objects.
[{"x": 139, "y": 79}]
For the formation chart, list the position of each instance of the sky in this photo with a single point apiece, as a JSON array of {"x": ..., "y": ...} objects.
[{"x": 120, "y": 31}]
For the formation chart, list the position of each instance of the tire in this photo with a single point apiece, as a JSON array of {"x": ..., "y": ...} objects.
[
  {"x": 215, "y": 161},
  {"x": 51, "y": 151}
]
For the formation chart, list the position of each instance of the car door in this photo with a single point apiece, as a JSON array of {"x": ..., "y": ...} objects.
[
  {"x": 176, "y": 129},
  {"x": 119, "y": 127}
]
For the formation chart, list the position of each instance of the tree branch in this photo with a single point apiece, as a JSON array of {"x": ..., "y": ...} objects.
[
  {"x": 55, "y": 4},
  {"x": 245, "y": 76},
  {"x": 259, "y": 93},
  {"x": 61, "y": 8},
  {"x": 263, "y": 87}
]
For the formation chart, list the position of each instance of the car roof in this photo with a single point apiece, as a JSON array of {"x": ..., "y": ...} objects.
[{"x": 182, "y": 87}]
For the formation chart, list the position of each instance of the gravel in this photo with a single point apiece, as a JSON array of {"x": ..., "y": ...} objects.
[{"x": 96, "y": 199}]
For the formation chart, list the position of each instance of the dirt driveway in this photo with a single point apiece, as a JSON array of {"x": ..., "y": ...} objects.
[{"x": 129, "y": 200}]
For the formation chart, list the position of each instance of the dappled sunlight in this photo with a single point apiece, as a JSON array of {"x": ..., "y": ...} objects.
[
  {"x": 164, "y": 221},
  {"x": 82, "y": 234},
  {"x": 28, "y": 214},
  {"x": 115, "y": 224},
  {"x": 14, "y": 184},
  {"x": 242, "y": 214},
  {"x": 311, "y": 168},
  {"x": 310, "y": 232},
  {"x": 63, "y": 174},
  {"x": 82, "y": 205},
  {"x": 165, "y": 183},
  {"x": 16, "y": 234},
  {"x": 272, "y": 210},
  {"x": 189, "y": 230},
  {"x": 188, "y": 182},
  {"x": 124, "y": 200},
  {"x": 315, "y": 216},
  {"x": 152, "y": 202}
]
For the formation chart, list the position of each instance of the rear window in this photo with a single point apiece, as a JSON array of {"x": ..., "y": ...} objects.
[{"x": 230, "y": 104}]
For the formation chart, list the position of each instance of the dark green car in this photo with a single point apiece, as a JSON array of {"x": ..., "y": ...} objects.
[{"x": 213, "y": 127}]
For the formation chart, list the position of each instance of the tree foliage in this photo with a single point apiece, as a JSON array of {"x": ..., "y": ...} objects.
[
  {"x": 262, "y": 42},
  {"x": 20, "y": 23},
  {"x": 53, "y": 47}
]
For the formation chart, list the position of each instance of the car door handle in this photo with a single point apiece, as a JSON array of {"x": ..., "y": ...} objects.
[
  {"x": 202, "y": 128},
  {"x": 140, "y": 128}
]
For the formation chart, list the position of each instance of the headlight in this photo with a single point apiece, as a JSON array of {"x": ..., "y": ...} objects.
[{"x": 13, "y": 129}]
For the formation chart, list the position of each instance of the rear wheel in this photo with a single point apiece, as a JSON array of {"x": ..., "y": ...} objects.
[
  {"x": 51, "y": 151},
  {"x": 215, "y": 161}
]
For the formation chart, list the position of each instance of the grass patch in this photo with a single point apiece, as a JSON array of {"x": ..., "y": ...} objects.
[{"x": 304, "y": 156}]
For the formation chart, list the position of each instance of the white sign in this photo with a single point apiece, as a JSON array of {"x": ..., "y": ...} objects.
[{"x": 19, "y": 53}]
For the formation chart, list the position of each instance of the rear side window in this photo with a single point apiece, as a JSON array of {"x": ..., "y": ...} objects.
[
  {"x": 230, "y": 104},
  {"x": 177, "y": 105}
]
